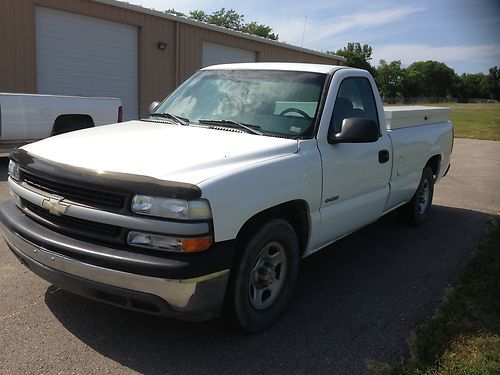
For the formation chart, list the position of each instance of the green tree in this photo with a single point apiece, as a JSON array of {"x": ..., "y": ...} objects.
[
  {"x": 389, "y": 77},
  {"x": 494, "y": 83},
  {"x": 260, "y": 30},
  {"x": 357, "y": 56},
  {"x": 410, "y": 85},
  {"x": 175, "y": 13},
  {"x": 472, "y": 86},
  {"x": 365, "y": 51},
  {"x": 428, "y": 79},
  {"x": 229, "y": 19},
  {"x": 198, "y": 15}
]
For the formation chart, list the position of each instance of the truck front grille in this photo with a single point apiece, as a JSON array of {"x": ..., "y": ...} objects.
[
  {"x": 71, "y": 225},
  {"x": 75, "y": 191}
]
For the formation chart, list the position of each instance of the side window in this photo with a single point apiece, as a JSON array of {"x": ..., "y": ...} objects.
[{"x": 354, "y": 99}]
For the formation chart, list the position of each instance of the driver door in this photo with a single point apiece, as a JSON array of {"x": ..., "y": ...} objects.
[{"x": 355, "y": 177}]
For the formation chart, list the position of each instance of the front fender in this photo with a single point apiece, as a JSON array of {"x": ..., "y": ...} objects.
[{"x": 237, "y": 196}]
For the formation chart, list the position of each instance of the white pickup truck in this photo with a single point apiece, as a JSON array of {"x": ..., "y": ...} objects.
[
  {"x": 26, "y": 118},
  {"x": 212, "y": 200}
]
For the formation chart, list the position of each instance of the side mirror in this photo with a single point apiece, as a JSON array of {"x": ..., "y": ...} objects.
[
  {"x": 356, "y": 130},
  {"x": 153, "y": 106}
]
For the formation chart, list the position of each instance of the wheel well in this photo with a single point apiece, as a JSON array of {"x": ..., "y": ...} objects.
[
  {"x": 434, "y": 163},
  {"x": 295, "y": 212},
  {"x": 70, "y": 122}
]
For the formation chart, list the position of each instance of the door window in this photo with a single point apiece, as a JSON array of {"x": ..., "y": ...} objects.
[{"x": 354, "y": 99}]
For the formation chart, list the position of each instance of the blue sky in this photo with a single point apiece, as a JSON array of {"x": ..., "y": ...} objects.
[{"x": 464, "y": 34}]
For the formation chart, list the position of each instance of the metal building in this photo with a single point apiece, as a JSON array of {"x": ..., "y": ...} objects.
[{"x": 112, "y": 48}]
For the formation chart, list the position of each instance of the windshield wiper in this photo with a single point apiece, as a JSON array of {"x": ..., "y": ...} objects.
[
  {"x": 177, "y": 119},
  {"x": 233, "y": 124}
]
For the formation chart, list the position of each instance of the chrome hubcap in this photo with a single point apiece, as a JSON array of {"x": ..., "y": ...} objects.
[
  {"x": 423, "y": 197},
  {"x": 267, "y": 276}
]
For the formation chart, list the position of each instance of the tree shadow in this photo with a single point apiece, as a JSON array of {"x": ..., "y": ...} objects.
[{"x": 359, "y": 298}]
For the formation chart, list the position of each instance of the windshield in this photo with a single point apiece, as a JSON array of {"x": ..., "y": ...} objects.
[{"x": 275, "y": 102}]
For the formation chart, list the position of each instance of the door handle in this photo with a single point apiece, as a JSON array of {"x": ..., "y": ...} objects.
[{"x": 383, "y": 156}]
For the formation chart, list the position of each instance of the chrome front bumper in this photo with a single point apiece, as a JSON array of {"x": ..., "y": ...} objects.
[{"x": 197, "y": 298}]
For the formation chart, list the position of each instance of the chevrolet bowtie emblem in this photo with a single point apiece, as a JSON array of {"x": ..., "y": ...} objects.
[{"x": 55, "y": 206}]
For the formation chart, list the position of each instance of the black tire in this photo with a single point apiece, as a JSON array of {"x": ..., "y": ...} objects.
[
  {"x": 271, "y": 255},
  {"x": 416, "y": 212}
]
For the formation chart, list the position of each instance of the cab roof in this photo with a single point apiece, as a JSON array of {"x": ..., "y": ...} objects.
[{"x": 296, "y": 67}]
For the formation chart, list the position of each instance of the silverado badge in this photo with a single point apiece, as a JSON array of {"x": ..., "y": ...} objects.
[{"x": 55, "y": 206}]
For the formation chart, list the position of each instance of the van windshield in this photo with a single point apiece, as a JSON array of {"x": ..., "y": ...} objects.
[{"x": 283, "y": 103}]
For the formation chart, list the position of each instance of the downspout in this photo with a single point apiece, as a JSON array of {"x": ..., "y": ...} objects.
[{"x": 177, "y": 53}]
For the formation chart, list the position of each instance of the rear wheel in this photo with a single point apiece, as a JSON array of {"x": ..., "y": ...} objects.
[
  {"x": 416, "y": 212},
  {"x": 265, "y": 276}
]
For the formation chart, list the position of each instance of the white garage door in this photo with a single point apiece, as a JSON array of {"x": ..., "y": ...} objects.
[
  {"x": 87, "y": 56},
  {"x": 219, "y": 54}
]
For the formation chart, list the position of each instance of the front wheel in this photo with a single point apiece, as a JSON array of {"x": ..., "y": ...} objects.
[
  {"x": 265, "y": 275},
  {"x": 416, "y": 211}
]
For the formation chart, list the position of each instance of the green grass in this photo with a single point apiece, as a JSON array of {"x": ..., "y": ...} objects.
[
  {"x": 475, "y": 120},
  {"x": 463, "y": 337}
]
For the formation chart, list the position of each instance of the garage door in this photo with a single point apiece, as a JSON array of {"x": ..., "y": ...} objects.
[
  {"x": 87, "y": 56},
  {"x": 219, "y": 54}
]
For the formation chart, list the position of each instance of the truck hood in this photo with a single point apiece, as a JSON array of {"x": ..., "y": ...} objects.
[{"x": 188, "y": 154}]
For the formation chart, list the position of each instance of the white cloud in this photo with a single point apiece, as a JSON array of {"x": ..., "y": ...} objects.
[
  {"x": 370, "y": 19},
  {"x": 326, "y": 31}
]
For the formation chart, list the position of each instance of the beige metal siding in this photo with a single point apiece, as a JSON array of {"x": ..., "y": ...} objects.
[
  {"x": 192, "y": 37},
  {"x": 17, "y": 46},
  {"x": 276, "y": 54},
  {"x": 18, "y": 50},
  {"x": 156, "y": 67},
  {"x": 213, "y": 54},
  {"x": 159, "y": 70},
  {"x": 92, "y": 57}
]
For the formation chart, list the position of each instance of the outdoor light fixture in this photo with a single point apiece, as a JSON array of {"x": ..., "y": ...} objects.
[{"x": 162, "y": 45}]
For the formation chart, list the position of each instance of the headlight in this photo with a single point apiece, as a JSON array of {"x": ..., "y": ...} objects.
[
  {"x": 14, "y": 170},
  {"x": 166, "y": 243},
  {"x": 171, "y": 208}
]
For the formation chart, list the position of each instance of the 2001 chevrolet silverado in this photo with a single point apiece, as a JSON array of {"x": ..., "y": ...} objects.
[{"x": 212, "y": 200}]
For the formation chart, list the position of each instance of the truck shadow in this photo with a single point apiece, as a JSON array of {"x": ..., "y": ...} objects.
[
  {"x": 4, "y": 168},
  {"x": 359, "y": 298}
]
